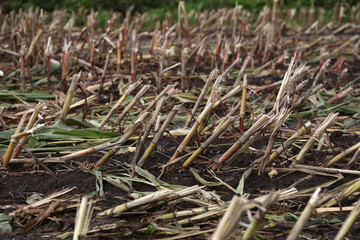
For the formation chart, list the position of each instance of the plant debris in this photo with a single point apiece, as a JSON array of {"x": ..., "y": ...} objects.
[{"x": 215, "y": 124}]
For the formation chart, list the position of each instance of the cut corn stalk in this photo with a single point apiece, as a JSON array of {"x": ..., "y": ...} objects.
[
  {"x": 349, "y": 222},
  {"x": 161, "y": 195},
  {"x": 202, "y": 216},
  {"x": 183, "y": 68},
  {"x": 259, "y": 123},
  {"x": 29, "y": 126},
  {"x": 343, "y": 154},
  {"x": 289, "y": 142},
  {"x": 279, "y": 119},
  {"x": 266, "y": 205},
  {"x": 168, "y": 90},
  {"x": 318, "y": 132},
  {"x": 83, "y": 218},
  {"x": 348, "y": 191},
  {"x": 69, "y": 96},
  {"x": 243, "y": 104},
  {"x": 284, "y": 84},
  {"x": 186, "y": 213},
  {"x": 340, "y": 95},
  {"x": 118, "y": 103},
  {"x": 65, "y": 63},
  {"x": 9, "y": 152},
  {"x": 149, "y": 126},
  {"x": 207, "y": 143},
  {"x": 105, "y": 70},
  {"x": 197, "y": 123},
  {"x": 132, "y": 103},
  {"x": 116, "y": 146},
  {"x": 201, "y": 96},
  {"x": 231, "y": 93},
  {"x": 300, "y": 223},
  {"x": 242, "y": 71},
  {"x": 320, "y": 73},
  {"x": 230, "y": 218},
  {"x": 158, "y": 135},
  {"x": 230, "y": 114}
]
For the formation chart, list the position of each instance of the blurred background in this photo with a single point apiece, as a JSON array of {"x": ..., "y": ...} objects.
[
  {"x": 161, "y": 5},
  {"x": 161, "y": 9}
]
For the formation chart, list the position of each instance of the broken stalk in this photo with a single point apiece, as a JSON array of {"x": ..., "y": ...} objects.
[
  {"x": 149, "y": 126},
  {"x": 290, "y": 141},
  {"x": 343, "y": 154},
  {"x": 117, "y": 145},
  {"x": 29, "y": 126},
  {"x": 318, "y": 132},
  {"x": 132, "y": 103},
  {"x": 207, "y": 143},
  {"x": 105, "y": 70},
  {"x": 204, "y": 90},
  {"x": 257, "y": 125},
  {"x": 186, "y": 140},
  {"x": 158, "y": 135},
  {"x": 9, "y": 151},
  {"x": 118, "y": 103}
]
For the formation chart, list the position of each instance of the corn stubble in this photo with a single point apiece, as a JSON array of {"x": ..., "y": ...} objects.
[{"x": 227, "y": 90}]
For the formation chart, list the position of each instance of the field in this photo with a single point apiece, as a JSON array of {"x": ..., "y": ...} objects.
[{"x": 222, "y": 124}]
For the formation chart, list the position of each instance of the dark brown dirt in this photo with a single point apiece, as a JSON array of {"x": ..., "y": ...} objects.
[{"x": 29, "y": 182}]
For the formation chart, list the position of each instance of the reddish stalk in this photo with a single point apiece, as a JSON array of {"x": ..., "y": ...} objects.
[
  {"x": 122, "y": 39},
  {"x": 340, "y": 95},
  {"x": 341, "y": 78},
  {"x": 207, "y": 143},
  {"x": 153, "y": 44},
  {"x": 134, "y": 53},
  {"x": 105, "y": 70},
  {"x": 259, "y": 123},
  {"x": 80, "y": 36},
  {"x": 65, "y": 59},
  {"x": 272, "y": 85},
  {"x": 162, "y": 58},
  {"x": 201, "y": 50},
  {"x": 217, "y": 52},
  {"x": 15, "y": 39}
]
